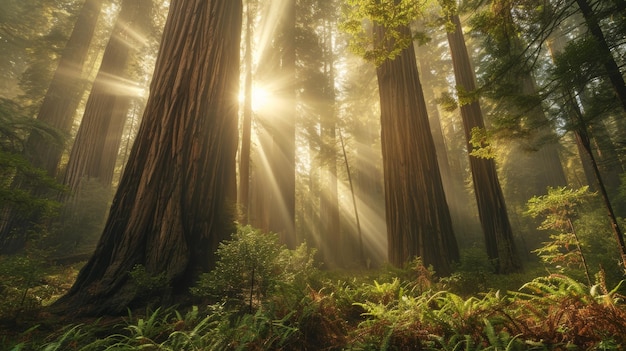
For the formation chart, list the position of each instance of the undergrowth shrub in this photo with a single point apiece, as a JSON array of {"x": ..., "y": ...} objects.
[
  {"x": 252, "y": 267},
  {"x": 270, "y": 290},
  {"x": 28, "y": 282},
  {"x": 562, "y": 312}
]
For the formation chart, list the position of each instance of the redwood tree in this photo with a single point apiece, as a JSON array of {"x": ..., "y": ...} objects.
[
  {"x": 492, "y": 210},
  {"x": 63, "y": 95},
  {"x": 97, "y": 141},
  {"x": 418, "y": 218},
  {"x": 172, "y": 207}
]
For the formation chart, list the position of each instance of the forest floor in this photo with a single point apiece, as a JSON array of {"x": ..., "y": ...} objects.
[
  {"x": 356, "y": 310},
  {"x": 281, "y": 300}
]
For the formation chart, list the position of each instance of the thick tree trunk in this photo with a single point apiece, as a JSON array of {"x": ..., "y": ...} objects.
[
  {"x": 174, "y": 202},
  {"x": 418, "y": 218},
  {"x": 492, "y": 211},
  {"x": 97, "y": 141}
]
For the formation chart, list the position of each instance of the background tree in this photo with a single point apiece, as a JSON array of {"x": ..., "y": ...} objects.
[
  {"x": 282, "y": 220},
  {"x": 101, "y": 127},
  {"x": 246, "y": 125},
  {"x": 418, "y": 218},
  {"x": 499, "y": 241},
  {"x": 174, "y": 202},
  {"x": 54, "y": 113},
  {"x": 63, "y": 95}
]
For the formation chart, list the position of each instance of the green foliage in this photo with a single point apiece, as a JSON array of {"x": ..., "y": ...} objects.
[
  {"x": 559, "y": 208},
  {"x": 23, "y": 187},
  {"x": 147, "y": 282},
  {"x": 548, "y": 313},
  {"x": 481, "y": 141},
  {"x": 561, "y": 311},
  {"x": 252, "y": 266},
  {"x": 394, "y": 16},
  {"x": 447, "y": 102},
  {"x": 28, "y": 282}
]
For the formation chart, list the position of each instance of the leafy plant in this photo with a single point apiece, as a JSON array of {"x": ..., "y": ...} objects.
[
  {"x": 146, "y": 281},
  {"x": 21, "y": 284},
  {"x": 559, "y": 209},
  {"x": 253, "y": 265}
]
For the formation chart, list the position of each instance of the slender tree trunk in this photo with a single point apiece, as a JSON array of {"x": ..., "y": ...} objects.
[
  {"x": 108, "y": 102},
  {"x": 582, "y": 138},
  {"x": 455, "y": 200},
  {"x": 361, "y": 252},
  {"x": 246, "y": 135},
  {"x": 284, "y": 170},
  {"x": 418, "y": 218},
  {"x": 491, "y": 206},
  {"x": 175, "y": 200},
  {"x": 329, "y": 204}
]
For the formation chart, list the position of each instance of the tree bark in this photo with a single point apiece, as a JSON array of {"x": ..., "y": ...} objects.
[
  {"x": 492, "y": 211},
  {"x": 246, "y": 135},
  {"x": 418, "y": 218},
  {"x": 174, "y": 203},
  {"x": 97, "y": 142},
  {"x": 63, "y": 95}
]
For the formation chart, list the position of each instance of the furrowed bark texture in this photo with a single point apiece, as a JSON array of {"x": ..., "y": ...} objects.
[
  {"x": 491, "y": 206},
  {"x": 172, "y": 206},
  {"x": 418, "y": 218}
]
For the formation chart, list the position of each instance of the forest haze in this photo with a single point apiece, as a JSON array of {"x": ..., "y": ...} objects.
[{"x": 355, "y": 165}]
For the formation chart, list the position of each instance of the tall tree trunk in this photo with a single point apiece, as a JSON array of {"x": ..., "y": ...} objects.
[
  {"x": 246, "y": 135},
  {"x": 455, "y": 196},
  {"x": 108, "y": 102},
  {"x": 332, "y": 239},
  {"x": 418, "y": 218},
  {"x": 491, "y": 206},
  {"x": 65, "y": 91},
  {"x": 284, "y": 160},
  {"x": 174, "y": 202},
  {"x": 582, "y": 138}
]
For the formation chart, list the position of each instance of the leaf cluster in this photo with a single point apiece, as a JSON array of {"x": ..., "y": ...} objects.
[
  {"x": 559, "y": 208},
  {"x": 392, "y": 16}
]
